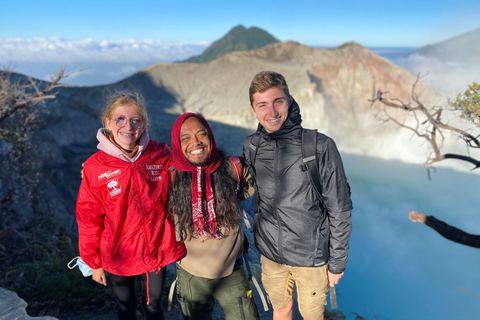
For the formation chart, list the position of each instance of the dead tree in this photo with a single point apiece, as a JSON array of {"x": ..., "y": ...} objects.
[
  {"x": 16, "y": 96},
  {"x": 21, "y": 102},
  {"x": 428, "y": 125}
]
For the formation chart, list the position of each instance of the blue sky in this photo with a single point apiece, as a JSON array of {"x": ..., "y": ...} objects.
[
  {"x": 314, "y": 23},
  {"x": 110, "y": 40}
]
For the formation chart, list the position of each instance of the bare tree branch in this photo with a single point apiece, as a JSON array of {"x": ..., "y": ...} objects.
[
  {"x": 431, "y": 129},
  {"x": 17, "y": 96},
  {"x": 458, "y": 157}
]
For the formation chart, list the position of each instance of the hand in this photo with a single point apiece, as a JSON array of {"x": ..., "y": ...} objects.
[
  {"x": 334, "y": 278},
  {"x": 417, "y": 217},
  {"x": 99, "y": 276},
  {"x": 81, "y": 172}
]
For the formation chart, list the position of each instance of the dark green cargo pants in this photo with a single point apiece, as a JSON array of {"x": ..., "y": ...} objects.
[{"x": 196, "y": 296}]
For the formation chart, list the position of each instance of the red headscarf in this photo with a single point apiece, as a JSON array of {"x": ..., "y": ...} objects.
[{"x": 203, "y": 202}]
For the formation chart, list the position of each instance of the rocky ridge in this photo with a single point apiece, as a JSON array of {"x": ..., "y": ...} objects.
[
  {"x": 462, "y": 48},
  {"x": 332, "y": 87}
]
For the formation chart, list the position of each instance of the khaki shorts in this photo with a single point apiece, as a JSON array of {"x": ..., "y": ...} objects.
[{"x": 312, "y": 287}]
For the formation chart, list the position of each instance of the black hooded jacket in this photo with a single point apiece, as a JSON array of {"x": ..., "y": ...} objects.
[{"x": 291, "y": 225}]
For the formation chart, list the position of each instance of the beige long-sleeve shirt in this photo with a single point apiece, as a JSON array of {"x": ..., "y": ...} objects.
[{"x": 214, "y": 258}]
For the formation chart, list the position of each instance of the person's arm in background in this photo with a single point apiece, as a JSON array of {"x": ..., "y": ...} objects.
[{"x": 447, "y": 231}]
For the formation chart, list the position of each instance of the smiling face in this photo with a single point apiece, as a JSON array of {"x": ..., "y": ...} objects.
[
  {"x": 271, "y": 108},
  {"x": 194, "y": 141},
  {"x": 127, "y": 135}
]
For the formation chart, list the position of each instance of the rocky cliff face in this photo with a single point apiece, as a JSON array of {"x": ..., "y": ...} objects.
[{"x": 332, "y": 87}]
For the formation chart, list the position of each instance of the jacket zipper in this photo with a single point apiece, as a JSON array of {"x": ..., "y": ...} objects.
[
  {"x": 147, "y": 241},
  {"x": 317, "y": 243},
  {"x": 279, "y": 240}
]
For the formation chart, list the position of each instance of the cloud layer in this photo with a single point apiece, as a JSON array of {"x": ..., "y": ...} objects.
[
  {"x": 449, "y": 75},
  {"x": 56, "y": 49},
  {"x": 107, "y": 61},
  {"x": 103, "y": 61}
]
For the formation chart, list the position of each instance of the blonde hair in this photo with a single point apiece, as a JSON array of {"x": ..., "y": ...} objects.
[
  {"x": 265, "y": 80},
  {"x": 125, "y": 98}
]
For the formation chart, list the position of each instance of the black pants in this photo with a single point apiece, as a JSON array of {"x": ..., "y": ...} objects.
[{"x": 124, "y": 290}]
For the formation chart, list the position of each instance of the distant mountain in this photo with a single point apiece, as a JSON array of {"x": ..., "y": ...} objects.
[
  {"x": 450, "y": 65},
  {"x": 237, "y": 39},
  {"x": 464, "y": 48}
]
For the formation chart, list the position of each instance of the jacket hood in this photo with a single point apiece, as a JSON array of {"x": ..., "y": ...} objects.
[
  {"x": 293, "y": 122},
  {"x": 105, "y": 145},
  {"x": 179, "y": 161}
]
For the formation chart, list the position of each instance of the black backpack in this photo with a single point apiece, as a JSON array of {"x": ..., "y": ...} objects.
[{"x": 309, "y": 154}]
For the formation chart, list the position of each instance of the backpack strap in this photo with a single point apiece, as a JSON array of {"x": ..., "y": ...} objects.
[
  {"x": 254, "y": 280},
  {"x": 252, "y": 153},
  {"x": 253, "y": 146},
  {"x": 310, "y": 160},
  {"x": 237, "y": 169},
  {"x": 172, "y": 173},
  {"x": 170, "y": 294}
]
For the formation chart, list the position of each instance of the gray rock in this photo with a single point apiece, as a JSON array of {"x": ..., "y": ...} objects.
[
  {"x": 13, "y": 308},
  {"x": 4, "y": 148}
]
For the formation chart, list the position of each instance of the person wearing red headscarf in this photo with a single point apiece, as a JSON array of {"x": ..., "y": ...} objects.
[{"x": 203, "y": 199}]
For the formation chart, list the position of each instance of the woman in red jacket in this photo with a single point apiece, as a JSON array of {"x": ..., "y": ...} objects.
[{"x": 123, "y": 227}]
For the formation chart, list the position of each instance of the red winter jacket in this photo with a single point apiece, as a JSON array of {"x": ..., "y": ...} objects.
[{"x": 122, "y": 222}]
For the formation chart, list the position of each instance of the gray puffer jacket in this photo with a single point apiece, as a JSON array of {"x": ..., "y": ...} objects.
[{"x": 291, "y": 225}]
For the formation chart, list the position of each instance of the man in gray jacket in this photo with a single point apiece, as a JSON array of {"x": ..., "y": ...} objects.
[{"x": 302, "y": 237}]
